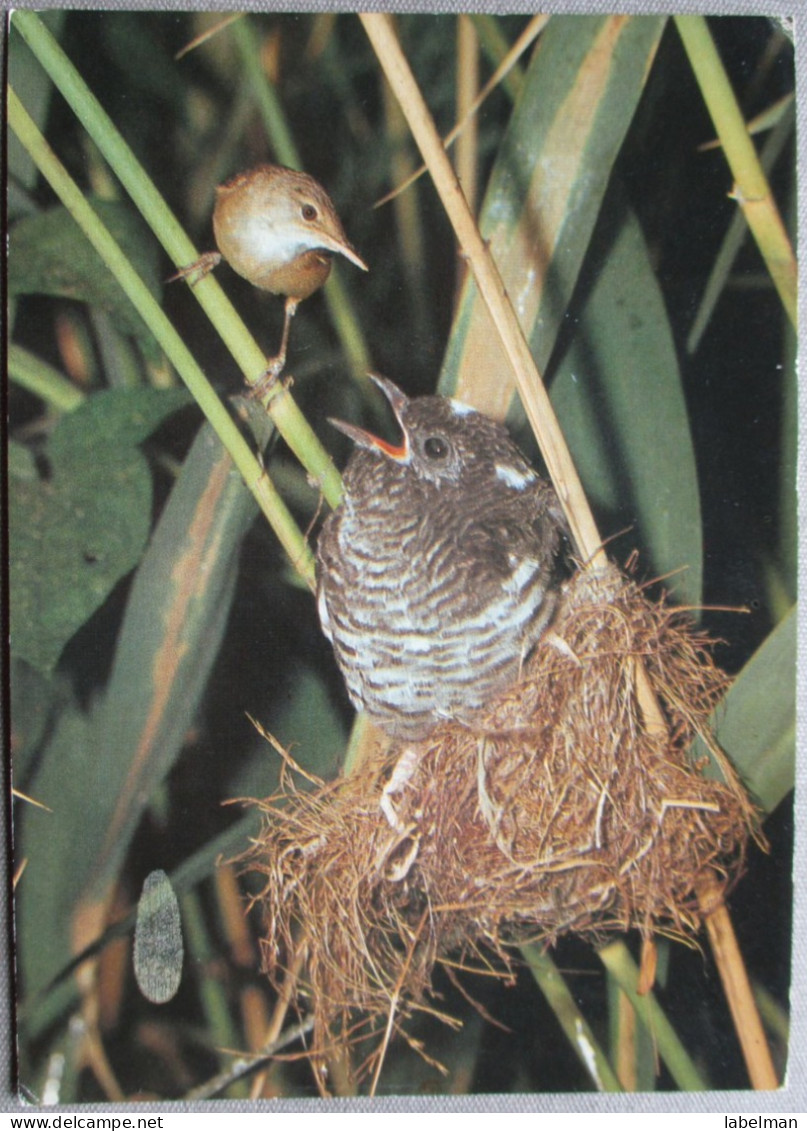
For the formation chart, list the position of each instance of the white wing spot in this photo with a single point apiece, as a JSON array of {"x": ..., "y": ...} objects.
[{"x": 514, "y": 477}]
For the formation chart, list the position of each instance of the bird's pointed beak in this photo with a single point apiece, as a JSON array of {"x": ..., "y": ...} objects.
[
  {"x": 340, "y": 246},
  {"x": 398, "y": 400}
]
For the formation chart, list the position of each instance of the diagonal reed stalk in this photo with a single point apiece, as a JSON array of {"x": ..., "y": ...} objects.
[
  {"x": 541, "y": 415},
  {"x": 578, "y": 1032},
  {"x": 35, "y": 375},
  {"x": 467, "y": 156},
  {"x": 381, "y": 32},
  {"x": 499, "y": 77},
  {"x": 255, "y": 476},
  {"x": 751, "y": 189},
  {"x": 616, "y": 958},
  {"x": 286, "y": 415}
]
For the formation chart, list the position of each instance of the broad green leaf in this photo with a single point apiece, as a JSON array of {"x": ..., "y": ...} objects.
[
  {"x": 49, "y": 254},
  {"x": 71, "y": 541},
  {"x": 113, "y": 419},
  {"x": 619, "y": 399},
  {"x": 788, "y": 548},
  {"x": 756, "y": 722},
  {"x": 175, "y": 619},
  {"x": 101, "y": 770},
  {"x": 36, "y": 702},
  {"x": 547, "y": 185},
  {"x": 58, "y": 846},
  {"x": 304, "y": 718},
  {"x": 74, "y": 535},
  {"x": 307, "y": 723},
  {"x": 20, "y": 462}
]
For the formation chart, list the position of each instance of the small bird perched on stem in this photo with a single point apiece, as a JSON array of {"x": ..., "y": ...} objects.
[
  {"x": 278, "y": 229},
  {"x": 439, "y": 571}
]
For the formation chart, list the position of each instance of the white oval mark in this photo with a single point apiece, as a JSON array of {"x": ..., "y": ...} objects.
[{"x": 158, "y": 949}]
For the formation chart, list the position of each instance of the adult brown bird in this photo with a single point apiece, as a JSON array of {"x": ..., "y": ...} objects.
[{"x": 279, "y": 229}]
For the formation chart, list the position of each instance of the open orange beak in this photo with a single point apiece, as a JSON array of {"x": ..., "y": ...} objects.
[{"x": 398, "y": 400}]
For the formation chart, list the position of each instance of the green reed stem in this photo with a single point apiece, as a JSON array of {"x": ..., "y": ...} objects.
[
  {"x": 557, "y": 993},
  {"x": 37, "y": 376},
  {"x": 751, "y": 188},
  {"x": 175, "y": 349},
  {"x": 617, "y": 960},
  {"x": 290, "y": 422}
]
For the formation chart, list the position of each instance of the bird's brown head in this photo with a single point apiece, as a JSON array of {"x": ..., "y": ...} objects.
[{"x": 278, "y": 228}]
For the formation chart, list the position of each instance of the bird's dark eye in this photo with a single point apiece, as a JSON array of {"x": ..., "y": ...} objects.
[
  {"x": 435, "y": 447},
  {"x": 308, "y": 212}
]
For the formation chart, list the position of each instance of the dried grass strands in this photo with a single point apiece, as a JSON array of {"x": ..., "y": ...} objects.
[{"x": 558, "y": 811}]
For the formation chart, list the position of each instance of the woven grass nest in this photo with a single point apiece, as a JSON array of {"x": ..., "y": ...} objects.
[{"x": 558, "y": 811}]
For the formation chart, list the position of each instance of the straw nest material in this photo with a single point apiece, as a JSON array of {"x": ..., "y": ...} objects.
[{"x": 565, "y": 807}]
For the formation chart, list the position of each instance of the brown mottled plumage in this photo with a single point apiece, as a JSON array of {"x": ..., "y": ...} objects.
[{"x": 438, "y": 571}]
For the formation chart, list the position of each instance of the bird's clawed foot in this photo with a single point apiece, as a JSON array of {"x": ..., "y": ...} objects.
[
  {"x": 195, "y": 272},
  {"x": 275, "y": 365},
  {"x": 402, "y": 772},
  {"x": 269, "y": 378}
]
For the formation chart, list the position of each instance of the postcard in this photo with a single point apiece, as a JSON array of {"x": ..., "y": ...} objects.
[{"x": 401, "y": 463}]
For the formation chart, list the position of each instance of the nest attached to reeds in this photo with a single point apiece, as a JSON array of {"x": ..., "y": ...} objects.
[{"x": 561, "y": 809}]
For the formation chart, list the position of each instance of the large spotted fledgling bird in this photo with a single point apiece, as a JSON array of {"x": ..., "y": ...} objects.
[{"x": 438, "y": 572}]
